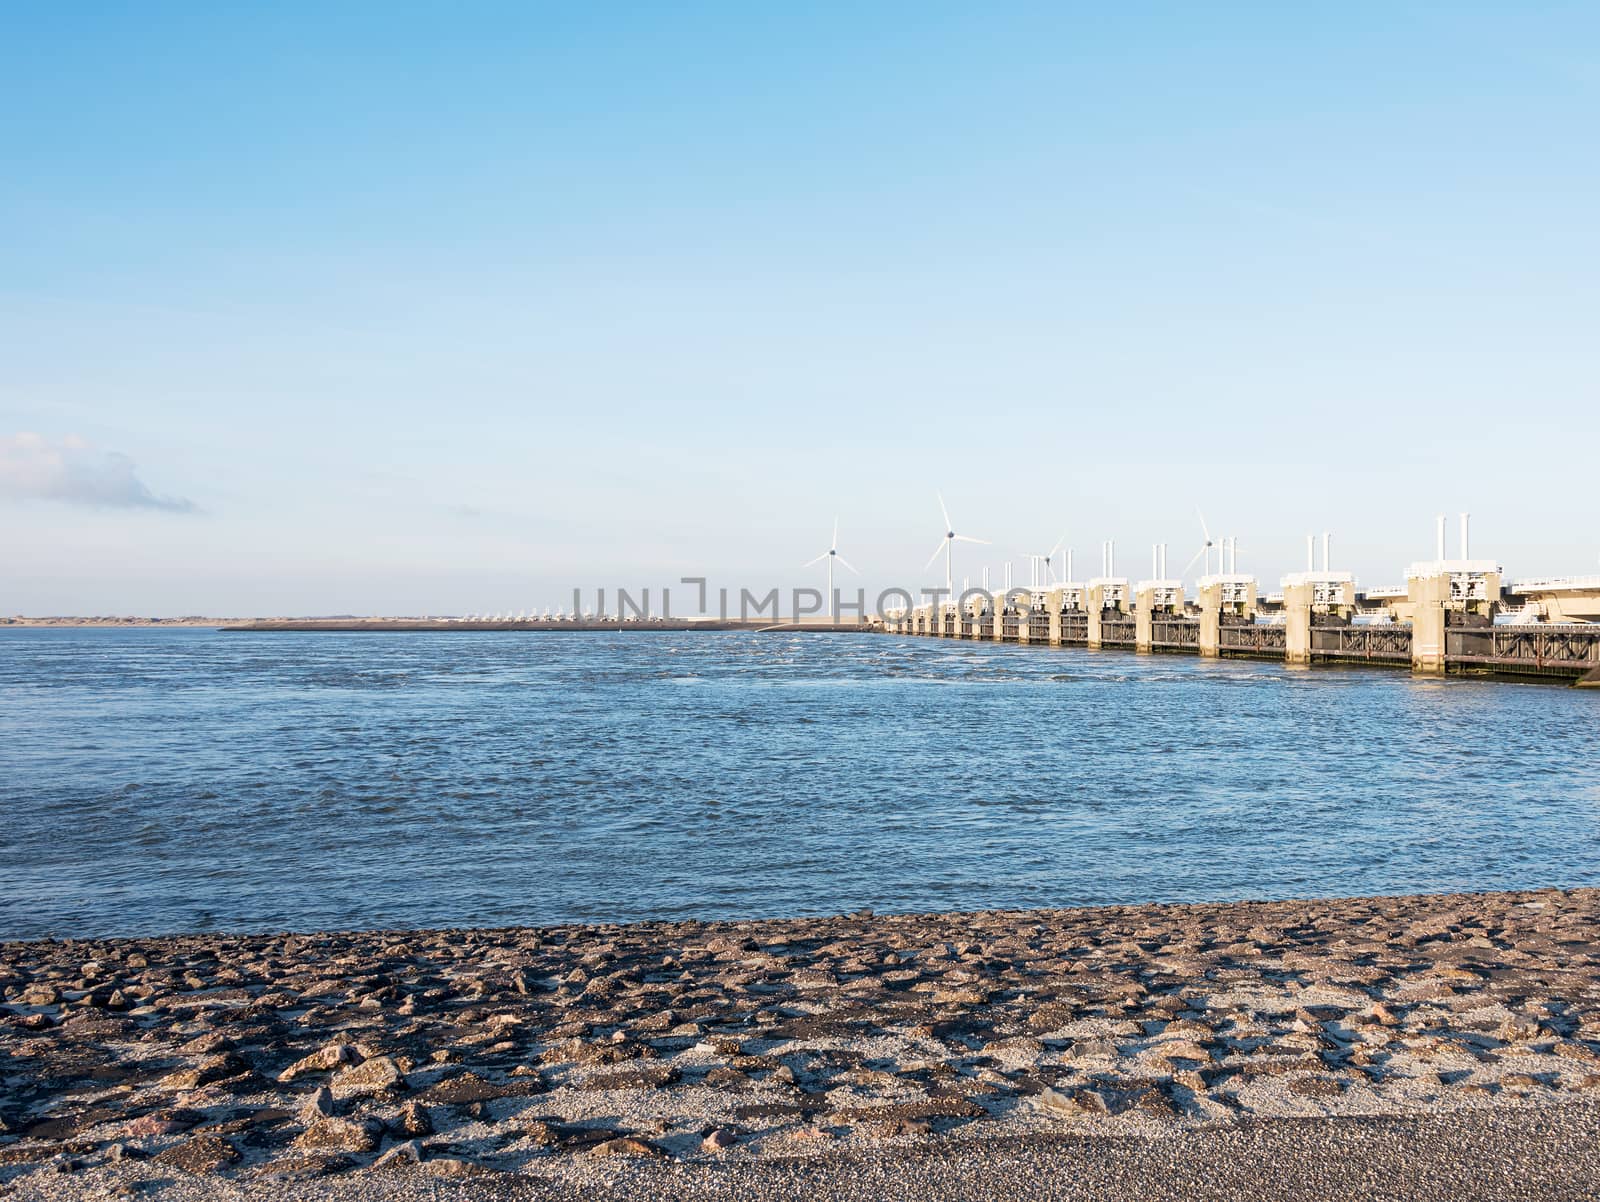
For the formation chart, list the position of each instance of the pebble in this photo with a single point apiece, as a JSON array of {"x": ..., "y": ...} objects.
[
  {"x": 375, "y": 1076},
  {"x": 323, "y": 1060},
  {"x": 415, "y": 1120},
  {"x": 625, "y": 1145},
  {"x": 199, "y": 1154},
  {"x": 318, "y": 1104},
  {"x": 340, "y": 1135},
  {"x": 409, "y": 1152}
]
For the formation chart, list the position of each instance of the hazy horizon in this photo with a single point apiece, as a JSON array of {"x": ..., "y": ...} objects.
[{"x": 402, "y": 310}]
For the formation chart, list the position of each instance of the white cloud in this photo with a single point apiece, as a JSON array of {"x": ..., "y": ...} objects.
[{"x": 32, "y": 466}]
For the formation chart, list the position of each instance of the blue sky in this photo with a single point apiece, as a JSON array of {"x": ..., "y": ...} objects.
[{"x": 409, "y": 308}]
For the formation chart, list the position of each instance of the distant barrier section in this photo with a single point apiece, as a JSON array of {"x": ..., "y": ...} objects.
[{"x": 1453, "y": 616}]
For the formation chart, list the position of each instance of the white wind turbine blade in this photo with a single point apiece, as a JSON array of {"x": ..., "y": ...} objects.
[
  {"x": 845, "y": 562},
  {"x": 1060, "y": 542},
  {"x": 934, "y": 558},
  {"x": 967, "y": 538},
  {"x": 1192, "y": 562},
  {"x": 948, "y": 524},
  {"x": 1203, "y": 526},
  {"x": 834, "y": 545},
  {"x": 810, "y": 563}
]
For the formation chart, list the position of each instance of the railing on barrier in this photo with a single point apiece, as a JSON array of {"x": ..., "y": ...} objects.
[
  {"x": 1179, "y": 632},
  {"x": 1568, "y": 649},
  {"x": 1252, "y": 640},
  {"x": 1392, "y": 642},
  {"x": 1118, "y": 632},
  {"x": 1562, "y": 649}
]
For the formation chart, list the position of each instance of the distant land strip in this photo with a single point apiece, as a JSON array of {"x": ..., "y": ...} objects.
[{"x": 401, "y": 625}]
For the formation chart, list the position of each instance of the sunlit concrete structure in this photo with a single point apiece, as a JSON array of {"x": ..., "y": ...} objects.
[
  {"x": 1153, "y": 601},
  {"x": 1555, "y": 598},
  {"x": 1454, "y": 614},
  {"x": 1225, "y": 597},
  {"x": 1104, "y": 597},
  {"x": 1308, "y": 596}
]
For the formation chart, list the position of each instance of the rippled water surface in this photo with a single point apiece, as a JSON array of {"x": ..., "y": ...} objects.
[{"x": 166, "y": 780}]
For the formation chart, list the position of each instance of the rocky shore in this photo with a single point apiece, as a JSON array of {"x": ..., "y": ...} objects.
[{"x": 568, "y": 1055}]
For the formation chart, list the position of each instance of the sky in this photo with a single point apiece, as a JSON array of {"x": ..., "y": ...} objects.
[{"x": 451, "y": 308}]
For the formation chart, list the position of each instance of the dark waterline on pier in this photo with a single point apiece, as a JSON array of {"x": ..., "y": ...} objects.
[{"x": 168, "y": 780}]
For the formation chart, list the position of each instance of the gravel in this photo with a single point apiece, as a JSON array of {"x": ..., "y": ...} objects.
[
  {"x": 1507, "y": 1155},
  {"x": 851, "y": 1056}
]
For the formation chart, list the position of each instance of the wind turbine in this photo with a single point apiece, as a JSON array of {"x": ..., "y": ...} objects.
[
  {"x": 950, "y": 538},
  {"x": 831, "y": 554},
  {"x": 1205, "y": 547},
  {"x": 1045, "y": 559}
]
